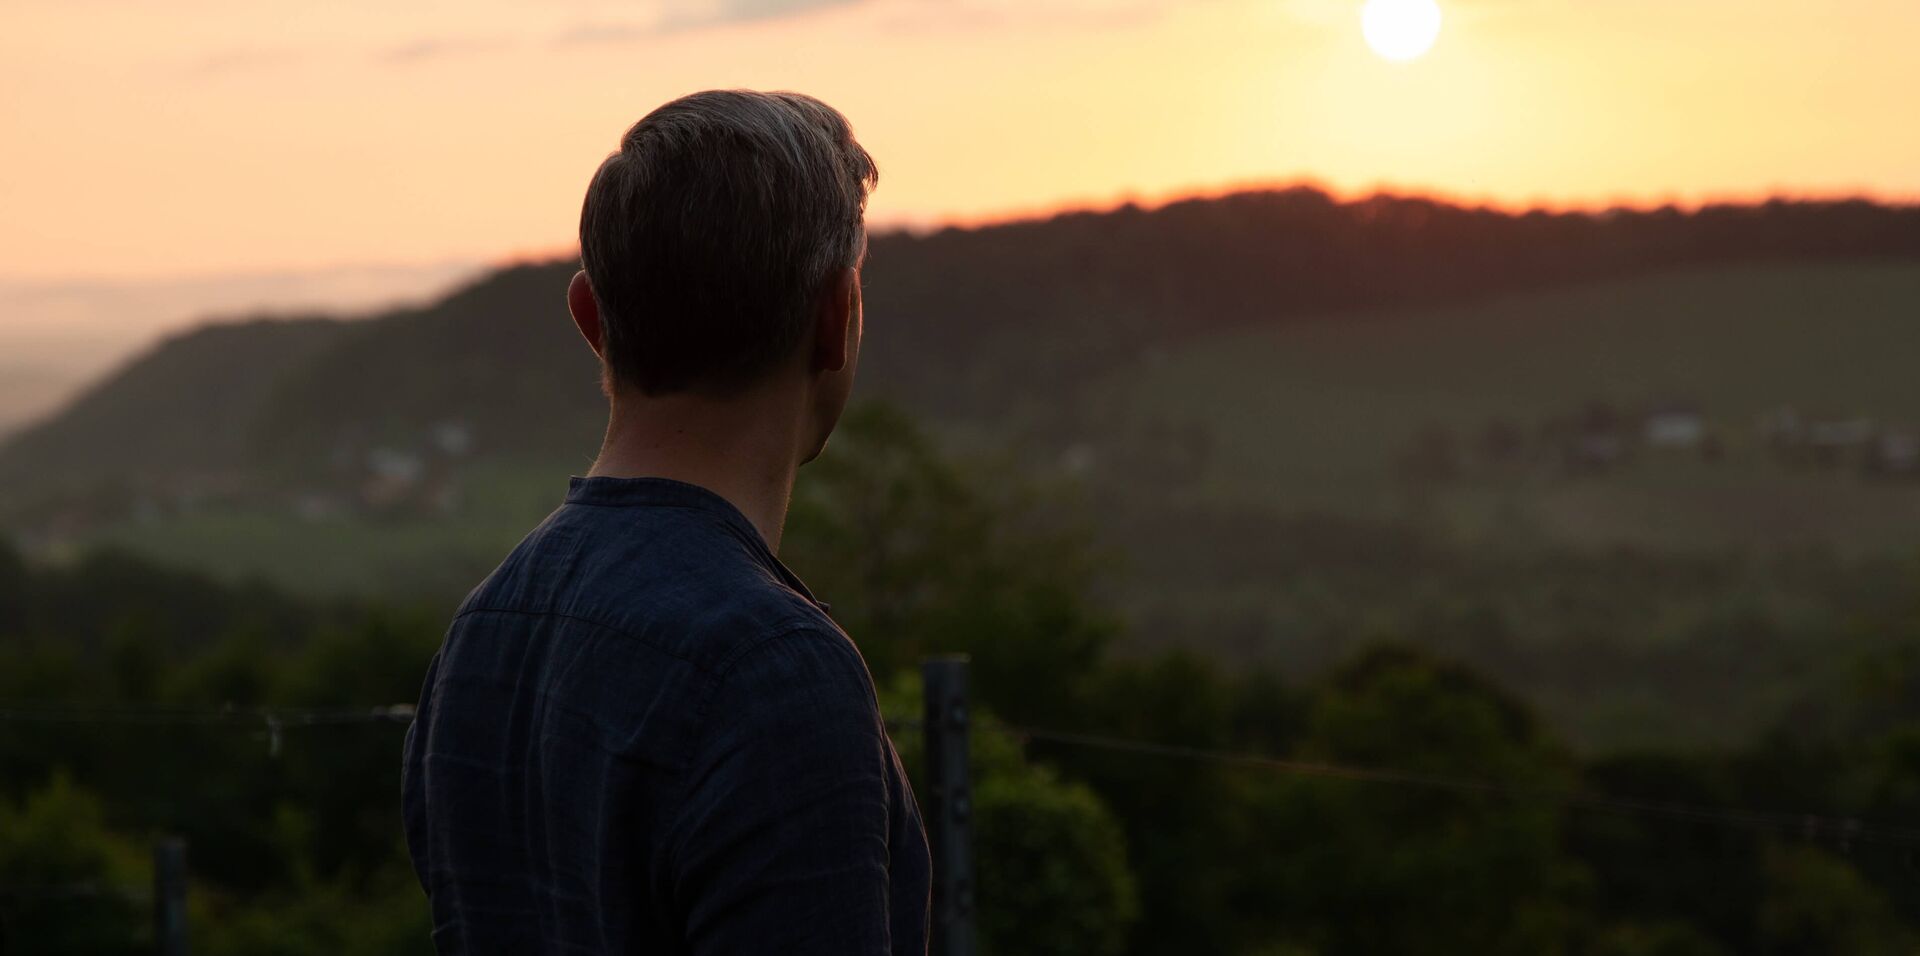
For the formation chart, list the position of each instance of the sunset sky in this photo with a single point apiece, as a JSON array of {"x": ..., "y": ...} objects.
[{"x": 197, "y": 137}]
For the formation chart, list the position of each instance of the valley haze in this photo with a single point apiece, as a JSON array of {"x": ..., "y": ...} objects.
[{"x": 1295, "y": 413}]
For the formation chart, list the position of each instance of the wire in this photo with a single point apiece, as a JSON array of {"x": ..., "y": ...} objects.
[
  {"x": 75, "y": 891},
  {"x": 1845, "y": 830},
  {"x": 382, "y": 714}
]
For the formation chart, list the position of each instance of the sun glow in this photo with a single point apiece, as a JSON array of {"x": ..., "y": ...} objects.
[{"x": 1400, "y": 29}]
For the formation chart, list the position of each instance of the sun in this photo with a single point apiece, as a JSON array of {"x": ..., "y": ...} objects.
[{"x": 1400, "y": 29}]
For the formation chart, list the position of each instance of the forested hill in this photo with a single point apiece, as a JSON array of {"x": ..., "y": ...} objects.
[{"x": 965, "y": 323}]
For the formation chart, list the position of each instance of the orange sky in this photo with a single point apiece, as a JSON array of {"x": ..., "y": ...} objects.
[{"x": 144, "y": 140}]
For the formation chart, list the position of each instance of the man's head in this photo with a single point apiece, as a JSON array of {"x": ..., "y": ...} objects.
[{"x": 722, "y": 246}]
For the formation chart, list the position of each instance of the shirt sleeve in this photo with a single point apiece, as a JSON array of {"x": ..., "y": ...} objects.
[{"x": 781, "y": 843}]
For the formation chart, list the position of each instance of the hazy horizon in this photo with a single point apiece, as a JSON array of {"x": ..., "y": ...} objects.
[
  {"x": 60, "y": 336},
  {"x": 221, "y": 158}
]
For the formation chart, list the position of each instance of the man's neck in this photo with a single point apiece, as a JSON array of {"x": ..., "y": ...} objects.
[{"x": 745, "y": 451}]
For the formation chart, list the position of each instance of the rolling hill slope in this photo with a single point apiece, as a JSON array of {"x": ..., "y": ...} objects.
[
  {"x": 1317, "y": 413},
  {"x": 186, "y": 408},
  {"x": 1301, "y": 422},
  {"x": 971, "y": 325}
]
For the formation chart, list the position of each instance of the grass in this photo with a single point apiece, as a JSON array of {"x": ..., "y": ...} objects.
[
  {"x": 439, "y": 557},
  {"x": 1309, "y": 417}
]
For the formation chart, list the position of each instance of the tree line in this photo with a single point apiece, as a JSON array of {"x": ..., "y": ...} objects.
[{"x": 296, "y": 845}]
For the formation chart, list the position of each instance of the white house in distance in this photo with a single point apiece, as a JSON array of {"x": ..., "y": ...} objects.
[
  {"x": 453, "y": 438},
  {"x": 1678, "y": 427}
]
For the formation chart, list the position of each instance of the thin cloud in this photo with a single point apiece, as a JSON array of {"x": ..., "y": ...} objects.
[
  {"x": 436, "y": 48},
  {"x": 679, "y": 16},
  {"x": 917, "y": 16}
]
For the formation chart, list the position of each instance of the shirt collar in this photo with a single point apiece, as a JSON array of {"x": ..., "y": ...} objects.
[{"x": 618, "y": 492}]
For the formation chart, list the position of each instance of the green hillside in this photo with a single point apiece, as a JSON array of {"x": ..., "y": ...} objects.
[
  {"x": 1306, "y": 417},
  {"x": 1597, "y": 456},
  {"x": 499, "y": 355},
  {"x": 970, "y": 326},
  {"x": 182, "y": 410},
  {"x": 1312, "y": 416}
]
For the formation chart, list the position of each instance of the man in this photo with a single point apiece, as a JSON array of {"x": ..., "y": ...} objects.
[{"x": 642, "y": 733}]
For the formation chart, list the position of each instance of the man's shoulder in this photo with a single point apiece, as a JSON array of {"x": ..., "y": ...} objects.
[{"x": 672, "y": 579}]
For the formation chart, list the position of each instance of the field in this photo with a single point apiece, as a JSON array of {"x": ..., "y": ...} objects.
[
  {"x": 1310, "y": 417},
  {"x": 403, "y": 556},
  {"x": 1253, "y": 486}
]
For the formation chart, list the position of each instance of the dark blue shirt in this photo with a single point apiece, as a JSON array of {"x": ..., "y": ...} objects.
[{"x": 643, "y": 734}]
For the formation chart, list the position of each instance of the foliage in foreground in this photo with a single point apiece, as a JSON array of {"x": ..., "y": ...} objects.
[{"x": 296, "y": 848}]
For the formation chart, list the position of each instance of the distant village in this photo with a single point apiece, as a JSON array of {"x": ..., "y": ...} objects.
[
  {"x": 421, "y": 477},
  {"x": 362, "y": 478},
  {"x": 1602, "y": 438},
  {"x": 425, "y": 475}
]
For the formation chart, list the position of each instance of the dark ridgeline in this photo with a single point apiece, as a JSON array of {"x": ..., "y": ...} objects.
[
  {"x": 1033, "y": 302},
  {"x": 970, "y": 322}
]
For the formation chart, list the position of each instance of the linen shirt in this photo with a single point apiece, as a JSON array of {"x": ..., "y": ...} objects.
[{"x": 643, "y": 734}]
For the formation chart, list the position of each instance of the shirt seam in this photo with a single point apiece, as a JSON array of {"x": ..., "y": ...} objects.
[
  {"x": 725, "y": 668},
  {"x": 637, "y": 504},
  {"x": 698, "y": 725},
  {"x": 754, "y": 541}
]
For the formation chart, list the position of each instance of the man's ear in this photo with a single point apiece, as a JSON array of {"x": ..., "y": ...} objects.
[
  {"x": 836, "y": 322},
  {"x": 586, "y": 312}
]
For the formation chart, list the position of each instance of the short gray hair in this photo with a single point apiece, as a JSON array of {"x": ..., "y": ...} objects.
[{"x": 709, "y": 236}]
